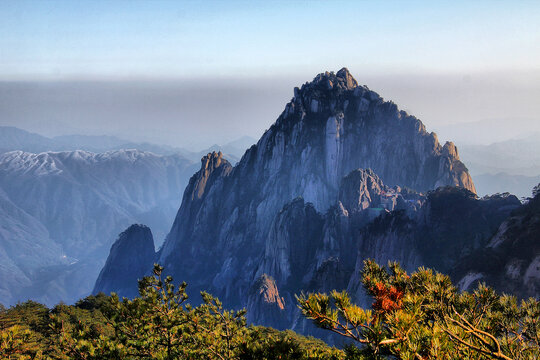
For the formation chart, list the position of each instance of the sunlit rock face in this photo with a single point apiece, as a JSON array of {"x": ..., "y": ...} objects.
[
  {"x": 292, "y": 208},
  {"x": 265, "y": 305}
]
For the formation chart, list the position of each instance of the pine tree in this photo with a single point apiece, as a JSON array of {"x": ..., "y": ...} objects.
[{"x": 423, "y": 316}]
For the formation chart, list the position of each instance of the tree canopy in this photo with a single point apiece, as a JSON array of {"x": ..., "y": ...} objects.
[
  {"x": 424, "y": 316},
  {"x": 412, "y": 316},
  {"x": 158, "y": 324}
]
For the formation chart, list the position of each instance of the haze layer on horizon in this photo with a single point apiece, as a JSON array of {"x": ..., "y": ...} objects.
[
  {"x": 192, "y": 73},
  {"x": 195, "y": 113}
]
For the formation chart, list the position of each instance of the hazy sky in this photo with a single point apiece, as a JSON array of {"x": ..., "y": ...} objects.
[{"x": 203, "y": 72}]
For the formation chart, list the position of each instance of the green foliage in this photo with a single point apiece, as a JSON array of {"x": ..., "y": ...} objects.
[
  {"x": 31, "y": 314},
  {"x": 417, "y": 316},
  {"x": 16, "y": 343},
  {"x": 23, "y": 331},
  {"x": 153, "y": 324},
  {"x": 78, "y": 333},
  {"x": 267, "y": 344},
  {"x": 423, "y": 316},
  {"x": 158, "y": 324},
  {"x": 217, "y": 333},
  {"x": 94, "y": 302}
]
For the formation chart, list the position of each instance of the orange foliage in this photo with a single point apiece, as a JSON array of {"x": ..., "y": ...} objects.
[{"x": 387, "y": 298}]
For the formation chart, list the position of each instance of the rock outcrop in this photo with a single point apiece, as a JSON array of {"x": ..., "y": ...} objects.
[
  {"x": 292, "y": 242},
  {"x": 293, "y": 207},
  {"x": 510, "y": 261},
  {"x": 265, "y": 305},
  {"x": 331, "y": 127},
  {"x": 131, "y": 257},
  {"x": 451, "y": 224},
  {"x": 362, "y": 189}
]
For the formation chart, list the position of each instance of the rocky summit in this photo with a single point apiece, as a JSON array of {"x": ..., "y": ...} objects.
[
  {"x": 131, "y": 256},
  {"x": 288, "y": 217}
]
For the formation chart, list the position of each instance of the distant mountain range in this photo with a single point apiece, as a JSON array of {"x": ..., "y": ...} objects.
[
  {"x": 12, "y": 138},
  {"x": 489, "y": 131},
  {"x": 502, "y": 155},
  {"x": 516, "y": 157},
  {"x": 63, "y": 200},
  {"x": 507, "y": 166},
  {"x": 62, "y": 210}
]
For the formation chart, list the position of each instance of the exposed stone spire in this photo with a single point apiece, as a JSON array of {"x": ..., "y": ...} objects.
[
  {"x": 230, "y": 218},
  {"x": 209, "y": 164},
  {"x": 131, "y": 256},
  {"x": 265, "y": 305},
  {"x": 344, "y": 74}
]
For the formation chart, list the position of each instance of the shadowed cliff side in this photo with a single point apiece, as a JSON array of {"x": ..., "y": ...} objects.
[
  {"x": 336, "y": 158},
  {"x": 331, "y": 127},
  {"x": 131, "y": 257}
]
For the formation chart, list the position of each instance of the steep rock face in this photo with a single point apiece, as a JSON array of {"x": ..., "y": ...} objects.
[
  {"x": 131, "y": 256},
  {"x": 306, "y": 249},
  {"x": 309, "y": 251},
  {"x": 265, "y": 305},
  {"x": 360, "y": 190},
  {"x": 454, "y": 223},
  {"x": 439, "y": 229},
  {"x": 331, "y": 127},
  {"x": 292, "y": 242},
  {"x": 511, "y": 260},
  {"x": 362, "y": 198},
  {"x": 451, "y": 170},
  {"x": 199, "y": 224},
  {"x": 450, "y": 229}
]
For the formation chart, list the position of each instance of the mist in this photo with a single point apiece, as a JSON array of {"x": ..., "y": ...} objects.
[{"x": 194, "y": 113}]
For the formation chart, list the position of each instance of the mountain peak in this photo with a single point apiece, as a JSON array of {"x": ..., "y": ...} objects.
[
  {"x": 350, "y": 81},
  {"x": 133, "y": 229},
  {"x": 213, "y": 165},
  {"x": 330, "y": 93},
  {"x": 273, "y": 213},
  {"x": 342, "y": 80},
  {"x": 131, "y": 255},
  {"x": 212, "y": 160}
]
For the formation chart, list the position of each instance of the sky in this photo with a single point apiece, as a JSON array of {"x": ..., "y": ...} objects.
[{"x": 211, "y": 71}]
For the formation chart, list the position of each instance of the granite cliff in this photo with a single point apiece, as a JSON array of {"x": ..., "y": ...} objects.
[
  {"x": 289, "y": 215},
  {"x": 131, "y": 256},
  {"x": 510, "y": 261},
  {"x": 331, "y": 127}
]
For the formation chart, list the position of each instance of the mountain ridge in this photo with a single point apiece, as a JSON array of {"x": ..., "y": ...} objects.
[
  {"x": 15, "y": 139},
  {"x": 236, "y": 225},
  {"x": 64, "y": 210}
]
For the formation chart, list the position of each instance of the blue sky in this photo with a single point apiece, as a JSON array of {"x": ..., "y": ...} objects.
[{"x": 173, "y": 39}]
